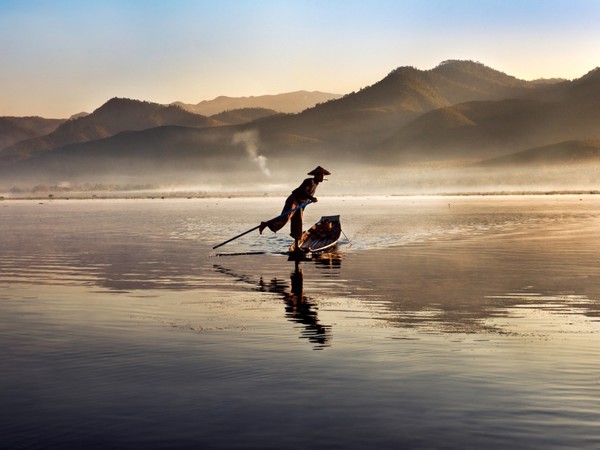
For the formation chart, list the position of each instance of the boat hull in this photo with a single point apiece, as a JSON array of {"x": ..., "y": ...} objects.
[{"x": 322, "y": 237}]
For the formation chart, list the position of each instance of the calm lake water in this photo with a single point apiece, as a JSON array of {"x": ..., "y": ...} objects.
[{"x": 441, "y": 322}]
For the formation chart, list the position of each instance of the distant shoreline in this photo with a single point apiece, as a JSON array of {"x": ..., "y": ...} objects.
[{"x": 196, "y": 196}]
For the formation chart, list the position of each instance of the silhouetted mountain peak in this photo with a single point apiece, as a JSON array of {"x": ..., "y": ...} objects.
[
  {"x": 473, "y": 72},
  {"x": 402, "y": 72},
  {"x": 119, "y": 105},
  {"x": 402, "y": 77},
  {"x": 143, "y": 114},
  {"x": 588, "y": 86},
  {"x": 118, "y": 101},
  {"x": 592, "y": 77},
  {"x": 405, "y": 88},
  {"x": 410, "y": 91},
  {"x": 465, "y": 66}
]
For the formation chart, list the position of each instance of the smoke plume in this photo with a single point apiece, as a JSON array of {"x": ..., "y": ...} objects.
[{"x": 250, "y": 140}]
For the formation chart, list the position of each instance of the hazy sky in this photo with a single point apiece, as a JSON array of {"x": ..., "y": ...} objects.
[{"x": 63, "y": 57}]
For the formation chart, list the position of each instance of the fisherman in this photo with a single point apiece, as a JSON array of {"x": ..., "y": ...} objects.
[{"x": 301, "y": 194}]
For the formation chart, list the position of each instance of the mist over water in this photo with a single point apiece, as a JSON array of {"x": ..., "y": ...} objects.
[{"x": 254, "y": 174}]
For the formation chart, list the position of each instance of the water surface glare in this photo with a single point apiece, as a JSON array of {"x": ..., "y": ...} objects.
[{"x": 440, "y": 322}]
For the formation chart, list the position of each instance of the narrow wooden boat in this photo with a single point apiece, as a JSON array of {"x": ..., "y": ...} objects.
[{"x": 322, "y": 237}]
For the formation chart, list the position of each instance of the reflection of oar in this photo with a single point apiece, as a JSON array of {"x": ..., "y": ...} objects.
[{"x": 303, "y": 205}]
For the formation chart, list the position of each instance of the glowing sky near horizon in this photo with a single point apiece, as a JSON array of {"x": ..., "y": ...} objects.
[{"x": 63, "y": 57}]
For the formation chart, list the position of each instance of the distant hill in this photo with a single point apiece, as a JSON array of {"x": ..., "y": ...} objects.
[
  {"x": 115, "y": 116},
  {"x": 468, "y": 130},
  {"x": 79, "y": 115},
  {"x": 291, "y": 102},
  {"x": 160, "y": 154},
  {"x": 16, "y": 129},
  {"x": 243, "y": 115},
  {"x": 460, "y": 81},
  {"x": 563, "y": 153},
  {"x": 481, "y": 129}
]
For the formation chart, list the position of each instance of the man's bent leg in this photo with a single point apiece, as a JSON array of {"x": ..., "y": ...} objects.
[{"x": 279, "y": 222}]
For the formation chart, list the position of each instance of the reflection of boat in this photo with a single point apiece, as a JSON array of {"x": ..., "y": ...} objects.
[{"x": 322, "y": 237}]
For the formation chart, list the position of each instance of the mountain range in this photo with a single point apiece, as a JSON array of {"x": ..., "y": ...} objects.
[
  {"x": 17, "y": 129},
  {"x": 459, "y": 114},
  {"x": 290, "y": 102}
]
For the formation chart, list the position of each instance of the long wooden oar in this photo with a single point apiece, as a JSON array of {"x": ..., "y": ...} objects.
[{"x": 258, "y": 226}]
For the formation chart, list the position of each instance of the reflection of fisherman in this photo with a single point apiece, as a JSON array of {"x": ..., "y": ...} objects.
[
  {"x": 299, "y": 309},
  {"x": 301, "y": 194}
]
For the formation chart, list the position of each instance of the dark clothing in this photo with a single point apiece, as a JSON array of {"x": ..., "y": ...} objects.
[
  {"x": 306, "y": 190},
  {"x": 296, "y": 217},
  {"x": 301, "y": 194}
]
